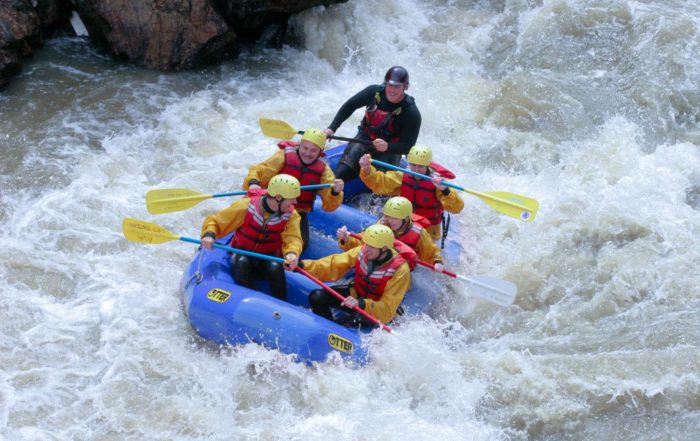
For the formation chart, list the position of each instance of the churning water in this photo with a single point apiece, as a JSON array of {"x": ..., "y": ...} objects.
[{"x": 591, "y": 107}]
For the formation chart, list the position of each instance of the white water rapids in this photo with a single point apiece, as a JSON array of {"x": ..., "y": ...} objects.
[{"x": 588, "y": 106}]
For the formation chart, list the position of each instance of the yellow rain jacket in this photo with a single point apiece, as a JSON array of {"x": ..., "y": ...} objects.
[
  {"x": 389, "y": 183},
  {"x": 426, "y": 249},
  {"x": 230, "y": 219},
  {"x": 335, "y": 266},
  {"x": 270, "y": 167}
]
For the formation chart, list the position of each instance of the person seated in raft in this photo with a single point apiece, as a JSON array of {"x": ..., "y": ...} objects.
[
  {"x": 408, "y": 228},
  {"x": 382, "y": 277},
  {"x": 430, "y": 199},
  {"x": 265, "y": 222},
  {"x": 304, "y": 161},
  {"x": 391, "y": 123}
]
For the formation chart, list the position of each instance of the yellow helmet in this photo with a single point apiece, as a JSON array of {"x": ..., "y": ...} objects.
[
  {"x": 378, "y": 236},
  {"x": 421, "y": 155},
  {"x": 283, "y": 185},
  {"x": 318, "y": 137},
  {"x": 398, "y": 207}
]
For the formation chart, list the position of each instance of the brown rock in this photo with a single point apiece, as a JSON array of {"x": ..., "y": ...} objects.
[
  {"x": 52, "y": 14},
  {"x": 20, "y": 33},
  {"x": 248, "y": 16},
  {"x": 158, "y": 34}
]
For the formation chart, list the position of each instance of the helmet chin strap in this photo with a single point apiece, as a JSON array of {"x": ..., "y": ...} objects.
[
  {"x": 266, "y": 203},
  {"x": 404, "y": 223},
  {"x": 279, "y": 203},
  {"x": 384, "y": 254}
]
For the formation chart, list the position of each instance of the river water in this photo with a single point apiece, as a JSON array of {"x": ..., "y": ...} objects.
[{"x": 591, "y": 107}]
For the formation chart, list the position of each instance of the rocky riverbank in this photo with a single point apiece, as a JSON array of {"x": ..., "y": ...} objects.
[{"x": 156, "y": 34}]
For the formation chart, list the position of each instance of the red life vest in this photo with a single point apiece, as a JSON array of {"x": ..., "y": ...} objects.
[
  {"x": 380, "y": 123},
  {"x": 371, "y": 286},
  {"x": 407, "y": 252},
  {"x": 420, "y": 220},
  {"x": 422, "y": 194},
  {"x": 412, "y": 236},
  {"x": 259, "y": 234},
  {"x": 306, "y": 174}
]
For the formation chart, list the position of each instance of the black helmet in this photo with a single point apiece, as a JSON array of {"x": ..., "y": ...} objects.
[{"x": 396, "y": 75}]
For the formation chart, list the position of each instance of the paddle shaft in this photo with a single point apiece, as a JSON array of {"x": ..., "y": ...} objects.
[
  {"x": 418, "y": 261},
  {"x": 202, "y": 196},
  {"x": 235, "y": 250},
  {"x": 342, "y": 138},
  {"x": 491, "y": 291},
  {"x": 411, "y": 172},
  {"x": 486, "y": 288},
  {"x": 276, "y": 128},
  {"x": 340, "y": 297},
  {"x": 239, "y": 193},
  {"x": 359, "y": 141},
  {"x": 231, "y": 193},
  {"x": 431, "y": 266},
  {"x": 301, "y": 270},
  {"x": 449, "y": 184},
  {"x": 198, "y": 197}
]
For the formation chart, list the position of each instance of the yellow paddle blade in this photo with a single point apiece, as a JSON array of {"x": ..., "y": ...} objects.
[
  {"x": 136, "y": 230},
  {"x": 168, "y": 200},
  {"x": 511, "y": 204},
  {"x": 274, "y": 128}
]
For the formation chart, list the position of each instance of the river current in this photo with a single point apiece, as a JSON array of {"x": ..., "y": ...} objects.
[{"x": 590, "y": 107}]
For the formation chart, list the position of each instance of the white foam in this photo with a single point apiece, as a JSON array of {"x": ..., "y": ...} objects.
[{"x": 95, "y": 342}]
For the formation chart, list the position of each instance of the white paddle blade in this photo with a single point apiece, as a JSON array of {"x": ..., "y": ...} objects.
[{"x": 500, "y": 292}]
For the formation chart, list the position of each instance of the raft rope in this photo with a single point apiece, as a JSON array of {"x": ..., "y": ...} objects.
[{"x": 198, "y": 274}]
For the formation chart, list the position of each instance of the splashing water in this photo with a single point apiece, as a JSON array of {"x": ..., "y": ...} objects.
[{"x": 591, "y": 107}]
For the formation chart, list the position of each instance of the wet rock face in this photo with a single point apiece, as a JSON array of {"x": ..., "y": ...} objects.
[
  {"x": 52, "y": 14},
  {"x": 20, "y": 32},
  {"x": 23, "y": 26},
  {"x": 157, "y": 34},
  {"x": 182, "y": 34},
  {"x": 250, "y": 16}
]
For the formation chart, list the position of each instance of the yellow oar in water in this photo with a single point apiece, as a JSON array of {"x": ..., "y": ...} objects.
[
  {"x": 136, "y": 230},
  {"x": 168, "y": 200},
  {"x": 510, "y": 204},
  {"x": 275, "y": 128}
]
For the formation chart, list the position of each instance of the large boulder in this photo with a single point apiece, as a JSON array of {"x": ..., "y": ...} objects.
[
  {"x": 249, "y": 17},
  {"x": 158, "y": 34},
  {"x": 52, "y": 14},
  {"x": 23, "y": 26},
  {"x": 20, "y": 33},
  {"x": 182, "y": 34}
]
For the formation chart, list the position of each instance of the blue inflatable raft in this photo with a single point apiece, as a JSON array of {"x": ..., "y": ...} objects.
[{"x": 221, "y": 311}]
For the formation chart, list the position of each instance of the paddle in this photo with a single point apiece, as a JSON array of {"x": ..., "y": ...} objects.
[
  {"x": 500, "y": 292},
  {"x": 340, "y": 297},
  {"x": 275, "y": 128},
  {"x": 167, "y": 200},
  {"x": 510, "y": 204},
  {"x": 136, "y": 230}
]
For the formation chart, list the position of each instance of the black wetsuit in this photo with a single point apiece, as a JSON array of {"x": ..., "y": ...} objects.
[{"x": 406, "y": 126}]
